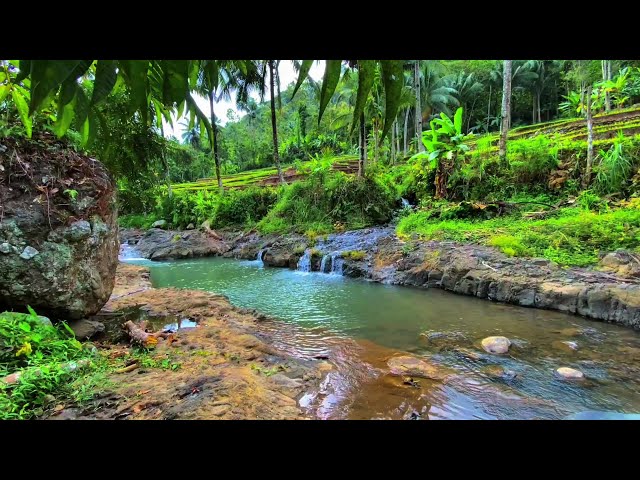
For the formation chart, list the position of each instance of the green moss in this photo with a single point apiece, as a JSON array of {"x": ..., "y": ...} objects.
[
  {"x": 353, "y": 254},
  {"x": 299, "y": 249}
]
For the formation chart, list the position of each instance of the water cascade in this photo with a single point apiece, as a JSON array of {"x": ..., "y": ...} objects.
[
  {"x": 324, "y": 266},
  {"x": 336, "y": 264},
  {"x": 304, "y": 264},
  {"x": 259, "y": 257}
]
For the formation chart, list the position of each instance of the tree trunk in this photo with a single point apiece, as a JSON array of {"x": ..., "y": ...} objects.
[
  {"x": 375, "y": 140},
  {"x": 469, "y": 114},
  {"x": 539, "y": 110},
  {"x": 397, "y": 127},
  {"x": 393, "y": 142},
  {"x": 363, "y": 147},
  {"x": 418, "y": 119},
  {"x": 506, "y": 109},
  {"x": 166, "y": 165},
  {"x": 216, "y": 157},
  {"x": 489, "y": 108},
  {"x": 587, "y": 173},
  {"x": 606, "y": 75},
  {"x": 406, "y": 131},
  {"x": 274, "y": 126},
  {"x": 533, "y": 115}
]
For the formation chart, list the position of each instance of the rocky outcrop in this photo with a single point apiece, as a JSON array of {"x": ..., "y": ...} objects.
[
  {"x": 484, "y": 272},
  {"x": 58, "y": 229},
  {"x": 157, "y": 244}
]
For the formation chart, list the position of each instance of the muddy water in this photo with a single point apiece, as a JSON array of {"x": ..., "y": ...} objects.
[{"x": 359, "y": 325}]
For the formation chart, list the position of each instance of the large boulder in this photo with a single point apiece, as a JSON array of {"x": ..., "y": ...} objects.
[
  {"x": 58, "y": 229},
  {"x": 159, "y": 244}
]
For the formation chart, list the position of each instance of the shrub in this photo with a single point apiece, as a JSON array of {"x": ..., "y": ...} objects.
[
  {"x": 326, "y": 198},
  {"x": 41, "y": 353}
]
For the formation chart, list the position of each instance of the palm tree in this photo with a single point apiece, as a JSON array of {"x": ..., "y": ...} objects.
[
  {"x": 468, "y": 90},
  {"x": 506, "y": 109},
  {"x": 418, "y": 116},
  {"x": 215, "y": 82},
  {"x": 191, "y": 136},
  {"x": 274, "y": 126},
  {"x": 436, "y": 95}
]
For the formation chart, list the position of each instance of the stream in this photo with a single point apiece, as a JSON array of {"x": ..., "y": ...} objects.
[{"x": 359, "y": 325}]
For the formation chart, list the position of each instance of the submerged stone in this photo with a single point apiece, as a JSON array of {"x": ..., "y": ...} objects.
[
  {"x": 568, "y": 373},
  {"x": 497, "y": 344},
  {"x": 415, "y": 367}
]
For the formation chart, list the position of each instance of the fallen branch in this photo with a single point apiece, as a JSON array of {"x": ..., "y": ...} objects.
[
  {"x": 128, "y": 369},
  {"x": 139, "y": 336}
]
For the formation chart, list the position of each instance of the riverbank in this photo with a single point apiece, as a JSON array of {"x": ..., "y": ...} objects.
[
  {"x": 609, "y": 292},
  {"x": 223, "y": 366}
]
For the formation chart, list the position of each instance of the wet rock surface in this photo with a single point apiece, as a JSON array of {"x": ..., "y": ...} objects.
[
  {"x": 229, "y": 368},
  {"x": 483, "y": 272},
  {"x": 58, "y": 229},
  {"x": 497, "y": 345},
  {"x": 158, "y": 244}
]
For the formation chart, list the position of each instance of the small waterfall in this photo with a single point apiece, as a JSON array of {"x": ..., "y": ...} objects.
[
  {"x": 324, "y": 266},
  {"x": 260, "y": 254},
  {"x": 405, "y": 203},
  {"x": 336, "y": 264},
  {"x": 304, "y": 264}
]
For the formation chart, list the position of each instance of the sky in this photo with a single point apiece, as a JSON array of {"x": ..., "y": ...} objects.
[{"x": 287, "y": 75}]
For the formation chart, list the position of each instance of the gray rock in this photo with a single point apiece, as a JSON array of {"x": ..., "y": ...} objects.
[
  {"x": 191, "y": 226},
  {"x": 79, "y": 230},
  {"x": 497, "y": 345},
  {"x": 28, "y": 253},
  {"x": 85, "y": 329},
  {"x": 157, "y": 244},
  {"x": 5, "y": 248},
  {"x": 55, "y": 275},
  {"x": 568, "y": 373},
  {"x": 159, "y": 224}
]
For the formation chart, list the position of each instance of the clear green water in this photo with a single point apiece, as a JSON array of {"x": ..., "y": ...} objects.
[{"x": 380, "y": 320}]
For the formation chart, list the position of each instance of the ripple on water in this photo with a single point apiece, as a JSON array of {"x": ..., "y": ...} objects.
[{"x": 359, "y": 325}]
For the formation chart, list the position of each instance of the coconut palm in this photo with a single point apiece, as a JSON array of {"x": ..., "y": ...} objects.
[{"x": 468, "y": 90}]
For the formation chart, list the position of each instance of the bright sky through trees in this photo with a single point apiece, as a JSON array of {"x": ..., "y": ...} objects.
[{"x": 287, "y": 76}]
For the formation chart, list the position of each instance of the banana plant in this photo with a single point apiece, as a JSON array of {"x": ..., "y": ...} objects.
[{"x": 445, "y": 144}]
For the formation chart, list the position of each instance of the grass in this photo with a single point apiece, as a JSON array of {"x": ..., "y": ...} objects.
[
  {"x": 137, "y": 221},
  {"x": 55, "y": 368},
  {"x": 247, "y": 178},
  {"x": 50, "y": 362},
  {"x": 354, "y": 254},
  {"x": 574, "y": 237}
]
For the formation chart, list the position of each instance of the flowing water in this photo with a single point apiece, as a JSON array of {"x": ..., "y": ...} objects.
[{"x": 359, "y": 325}]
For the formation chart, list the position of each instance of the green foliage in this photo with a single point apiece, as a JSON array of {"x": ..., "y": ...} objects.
[
  {"x": 614, "y": 168},
  {"x": 532, "y": 159},
  {"x": 44, "y": 355},
  {"x": 232, "y": 208},
  {"x": 137, "y": 221},
  {"x": 574, "y": 237},
  {"x": 445, "y": 144},
  {"x": 324, "y": 199},
  {"x": 353, "y": 254}
]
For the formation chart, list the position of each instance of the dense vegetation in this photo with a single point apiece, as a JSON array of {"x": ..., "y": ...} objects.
[
  {"x": 351, "y": 146},
  {"x": 535, "y": 158}
]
